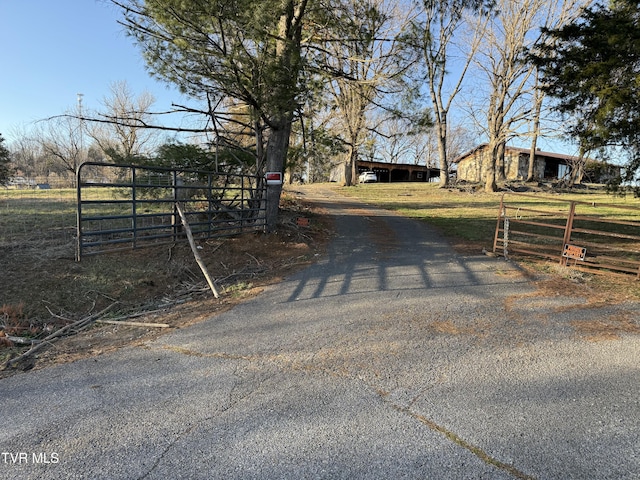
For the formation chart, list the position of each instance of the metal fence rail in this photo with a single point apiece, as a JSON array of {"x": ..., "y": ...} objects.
[
  {"x": 130, "y": 206},
  {"x": 585, "y": 235}
]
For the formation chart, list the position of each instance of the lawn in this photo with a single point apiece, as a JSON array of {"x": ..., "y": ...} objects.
[
  {"x": 43, "y": 218},
  {"x": 467, "y": 217}
]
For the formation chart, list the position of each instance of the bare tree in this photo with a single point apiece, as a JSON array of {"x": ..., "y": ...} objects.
[
  {"x": 507, "y": 73},
  {"x": 438, "y": 35},
  {"x": 62, "y": 140},
  {"x": 123, "y": 135},
  {"x": 559, "y": 14},
  {"x": 26, "y": 153},
  {"x": 510, "y": 77},
  {"x": 538, "y": 99},
  {"x": 400, "y": 142},
  {"x": 365, "y": 59},
  {"x": 397, "y": 143}
]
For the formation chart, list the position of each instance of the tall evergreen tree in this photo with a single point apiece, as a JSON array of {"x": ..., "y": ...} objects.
[
  {"x": 246, "y": 51},
  {"x": 593, "y": 71},
  {"x": 5, "y": 158}
]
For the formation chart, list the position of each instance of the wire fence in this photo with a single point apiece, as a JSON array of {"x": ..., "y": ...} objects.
[{"x": 39, "y": 219}]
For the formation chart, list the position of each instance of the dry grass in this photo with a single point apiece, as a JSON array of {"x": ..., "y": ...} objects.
[
  {"x": 43, "y": 288},
  {"x": 448, "y": 327},
  {"x": 609, "y": 328}
]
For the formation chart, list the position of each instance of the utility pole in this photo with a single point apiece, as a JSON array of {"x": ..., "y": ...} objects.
[{"x": 81, "y": 152}]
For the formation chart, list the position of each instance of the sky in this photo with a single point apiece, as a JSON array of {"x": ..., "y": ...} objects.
[{"x": 51, "y": 50}]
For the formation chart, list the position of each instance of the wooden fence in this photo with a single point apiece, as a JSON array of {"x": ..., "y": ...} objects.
[{"x": 585, "y": 235}]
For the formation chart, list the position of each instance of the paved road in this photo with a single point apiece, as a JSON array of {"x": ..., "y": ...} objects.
[{"x": 392, "y": 357}]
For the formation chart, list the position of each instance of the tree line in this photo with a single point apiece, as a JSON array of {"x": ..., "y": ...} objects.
[{"x": 299, "y": 85}]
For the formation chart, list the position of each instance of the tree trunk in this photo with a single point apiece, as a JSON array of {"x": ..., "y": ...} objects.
[
  {"x": 348, "y": 174},
  {"x": 500, "y": 161},
  {"x": 576, "y": 171},
  {"x": 351, "y": 169},
  {"x": 532, "y": 159},
  {"x": 495, "y": 117},
  {"x": 490, "y": 179},
  {"x": 442, "y": 150},
  {"x": 284, "y": 94},
  {"x": 499, "y": 156},
  {"x": 534, "y": 135},
  {"x": 277, "y": 147},
  {"x": 354, "y": 168}
]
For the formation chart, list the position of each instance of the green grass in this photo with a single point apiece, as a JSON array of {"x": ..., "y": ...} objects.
[
  {"x": 462, "y": 216},
  {"x": 471, "y": 216},
  {"x": 37, "y": 216}
]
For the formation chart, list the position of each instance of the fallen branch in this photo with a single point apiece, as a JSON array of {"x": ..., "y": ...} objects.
[
  {"x": 194, "y": 249},
  {"x": 134, "y": 324},
  {"x": 257, "y": 261},
  {"x": 248, "y": 271},
  {"x": 21, "y": 340},
  {"x": 57, "y": 334},
  {"x": 216, "y": 247}
]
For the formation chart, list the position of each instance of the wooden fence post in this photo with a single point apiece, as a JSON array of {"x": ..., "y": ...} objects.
[{"x": 567, "y": 232}]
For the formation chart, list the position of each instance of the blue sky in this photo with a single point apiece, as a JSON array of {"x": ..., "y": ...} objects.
[{"x": 51, "y": 50}]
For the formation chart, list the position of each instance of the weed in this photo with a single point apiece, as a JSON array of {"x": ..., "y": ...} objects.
[
  {"x": 238, "y": 288},
  {"x": 13, "y": 320}
]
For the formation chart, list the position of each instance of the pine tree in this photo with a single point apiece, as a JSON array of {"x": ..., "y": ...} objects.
[
  {"x": 5, "y": 158},
  {"x": 592, "y": 68},
  {"x": 243, "y": 52}
]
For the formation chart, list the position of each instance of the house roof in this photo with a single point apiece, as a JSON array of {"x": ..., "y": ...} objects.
[{"x": 539, "y": 153}]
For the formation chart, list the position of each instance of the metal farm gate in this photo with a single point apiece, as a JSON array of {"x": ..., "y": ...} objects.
[
  {"x": 586, "y": 235},
  {"x": 130, "y": 206}
]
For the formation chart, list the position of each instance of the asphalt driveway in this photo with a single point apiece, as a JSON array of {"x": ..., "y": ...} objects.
[{"x": 392, "y": 357}]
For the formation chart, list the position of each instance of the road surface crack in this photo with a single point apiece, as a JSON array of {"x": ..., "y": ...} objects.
[{"x": 475, "y": 450}]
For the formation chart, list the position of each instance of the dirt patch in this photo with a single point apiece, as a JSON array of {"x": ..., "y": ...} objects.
[
  {"x": 448, "y": 327},
  {"x": 158, "y": 285},
  {"x": 603, "y": 307},
  {"x": 553, "y": 280},
  {"x": 609, "y": 328}
]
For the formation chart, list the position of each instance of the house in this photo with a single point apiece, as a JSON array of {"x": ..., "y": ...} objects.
[{"x": 472, "y": 165}]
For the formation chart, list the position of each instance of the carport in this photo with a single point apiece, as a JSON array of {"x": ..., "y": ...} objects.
[{"x": 398, "y": 172}]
